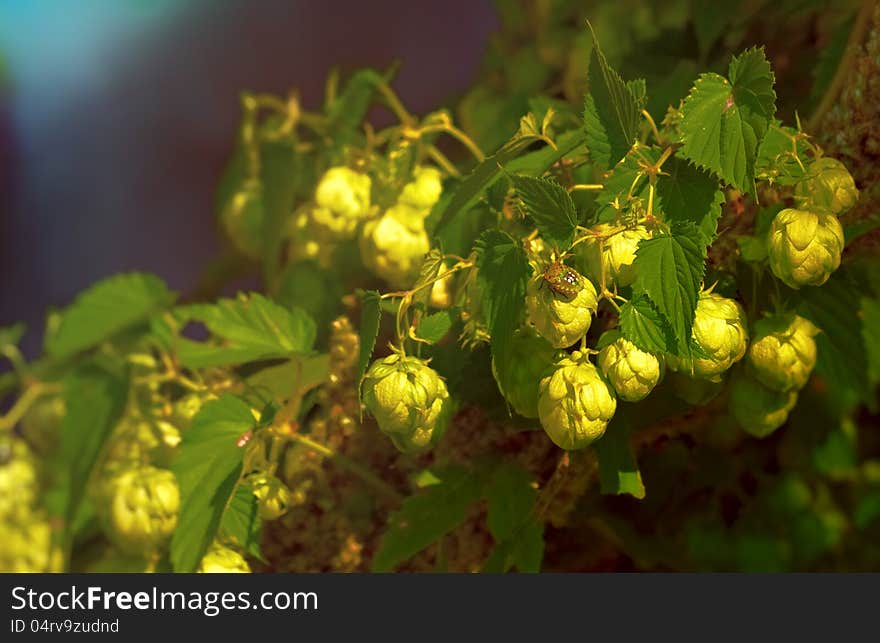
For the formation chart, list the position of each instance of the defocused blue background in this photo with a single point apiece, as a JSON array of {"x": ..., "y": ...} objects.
[{"x": 116, "y": 118}]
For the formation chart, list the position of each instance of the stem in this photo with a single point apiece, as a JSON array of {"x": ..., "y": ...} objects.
[
  {"x": 456, "y": 133},
  {"x": 860, "y": 27},
  {"x": 442, "y": 161},
  {"x": 21, "y": 406},
  {"x": 654, "y": 129},
  {"x": 586, "y": 186},
  {"x": 395, "y": 104},
  {"x": 350, "y": 465}
]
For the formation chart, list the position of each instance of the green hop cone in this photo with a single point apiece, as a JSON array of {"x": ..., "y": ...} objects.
[
  {"x": 242, "y": 219},
  {"x": 19, "y": 478},
  {"x": 223, "y": 560},
  {"x": 423, "y": 191},
  {"x": 530, "y": 355},
  {"x": 27, "y": 545},
  {"x": 632, "y": 372},
  {"x": 342, "y": 200},
  {"x": 560, "y": 319},
  {"x": 694, "y": 391},
  {"x": 409, "y": 401},
  {"x": 41, "y": 425},
  {"x": 393, "y": 246},
  {"x": 142, "y": 507},
  {"x": 617, "y": 251},
  {"x": 719, "y": 332},
  {"x": 783, "y": 352},
  {"x": 575, "y": 402},
  {"x": 757, "y": 409},
  {"x": 828, "y": 185},
  {"x": 273, "y": 496},
  {"x": 804, "y": 247}
]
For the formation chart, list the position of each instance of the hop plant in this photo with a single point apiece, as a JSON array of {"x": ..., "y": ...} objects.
[
  {"x": 804, "y": 246},
  {"x": 616, "y": 251},
  {"x": 559, "y": 318},
  {"x": 41, "y": 425},
  {"x": 409, "y": 401},
  {"x": 220, "y": 559},
  {"x": 19, "y": 481},
  {"x": 632, "y": 372},
  {"x": 273, "y": 496},
  {"x": 827, "y": 186},
  {"x": 757, "y": 409},
  {"x": 783, "y": 352},
  {"x": 530, "y": 355},
  {"x": 342, "y": 200},
  {"x": 575, "y": 402},
  {"x": 394, "y": 245},
  {"x": 719, "y": 333},
  {"x": 27, "y": 545},
  {"x": 141, "y": 508},
  {"x": 424, "y": 190}
]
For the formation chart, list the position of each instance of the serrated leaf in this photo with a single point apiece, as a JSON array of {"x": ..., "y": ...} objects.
[
  {"x": 281, "y": 382},
  {"x": 371, "y": 316},
  {"x": 251, "y": 328},
  {"x": 279, "y": 170},
  {"x": 644, "y": 326},
  {"x": 207, "y": 469},
  {"x": 611, "y": 111},
  {"x": 669, "y": 271},
  {"x": 105, "y": 309},
  {"x": 503, "y": 271},
  {"x": 688, "y": 194},
  {"x": 724, "y": 121},
  {"x": 11, "y": 335},
  {"x": 549, "y": 207},
  {"x": 307, "y": 286},
  {"x": 430, "y": 269},
  {"x": 526, "y": 552},
  {"x": 434, "y": 327},
  {"x": 241, "y": 521},
  {"x": 427, "y": 516},
  {"x": 618, "y": 470},
  {"x": 95, "y": 400},
  {"x": 347, "y": 112}
]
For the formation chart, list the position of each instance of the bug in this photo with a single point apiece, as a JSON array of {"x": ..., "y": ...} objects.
[{"x": 562, "y": 279}]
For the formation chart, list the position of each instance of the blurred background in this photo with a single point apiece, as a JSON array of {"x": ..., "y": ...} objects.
[{"x": 117, "y": 117}]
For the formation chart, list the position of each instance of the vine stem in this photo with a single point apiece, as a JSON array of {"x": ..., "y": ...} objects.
[
  {"x": 350, "y": 465},
  {"x": 860, "y": 28},
  {"x": 21, "y": 406}
]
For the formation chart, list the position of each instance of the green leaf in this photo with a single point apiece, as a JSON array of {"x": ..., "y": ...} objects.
[
  {"x": 688, "y": 194},
  {"x": 550, "y": 208},
  {"x": 724, "y": 121},
  {"x": 517, "y": 533},
  {"x": 871, "y": 337},
  {"x": 95, "y": 400},
  {"x": 710, "y": 21},
  {"x": 105, "y": 309},
  {"x": 644, "y": 326},
  {"x": 669, "y": 271},
  {"x": 308, "y": 286},
  {"x": 611, "y": 111},
  {"x": 207, "y": 469},
  {"x": 503, "y": 272},
  {"x": 618, "y": 469},
  {"x": 281, "y": 382},
  {"x": 348, "y": 111},
  {"x": 252, "y": 328},
  {"x": 778, "y": 155},
  {"x": 426, "y": 517},
  {"x": 482, "y": 177},
  {"x": 626, "y": 184},
  {"x": 434, "y": 327},
  {"x": 371, "y": 315},
  {"x": 526, "y": 552},
  {"x": 428, "y": 273},
  {"x": 11, "y": 335},
  {"x": 241, "y": 521},
  {"x": 842, "y": 359},
  {"x": 279, "y": 169}
]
